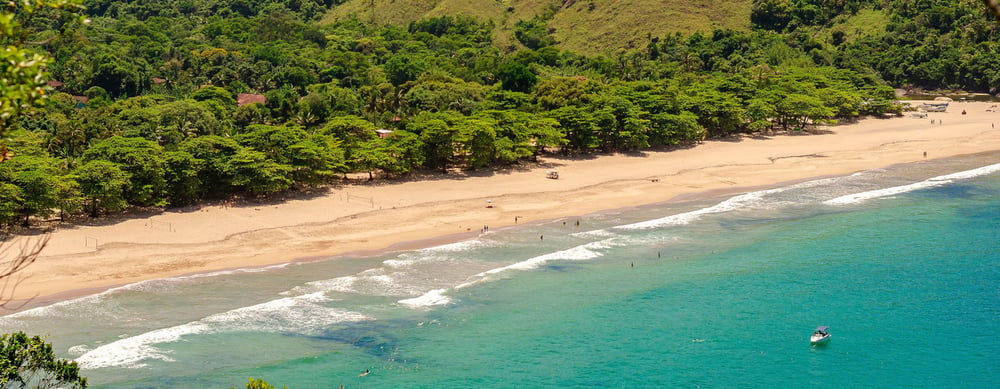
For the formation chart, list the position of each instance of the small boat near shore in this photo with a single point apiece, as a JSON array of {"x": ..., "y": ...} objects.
[
  {"x": 820, "y": 335},
  {"x": 934, "y": 107}
]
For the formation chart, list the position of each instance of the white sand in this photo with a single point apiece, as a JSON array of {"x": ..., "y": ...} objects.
[{"x": 373, "y": 217}]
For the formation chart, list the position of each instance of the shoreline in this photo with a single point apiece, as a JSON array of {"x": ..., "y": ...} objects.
[
  {"x": 366, "y": 220},
  {"x": 41, "y": 301}
]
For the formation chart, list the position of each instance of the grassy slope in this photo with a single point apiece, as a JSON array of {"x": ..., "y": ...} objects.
[
  {"x": 865, "y": 22},
  {"x": 611, "y": 25},
  {"x": 618, "y": 24}
]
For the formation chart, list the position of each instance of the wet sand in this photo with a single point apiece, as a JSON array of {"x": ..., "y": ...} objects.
[{"x": 389, "y": 215}]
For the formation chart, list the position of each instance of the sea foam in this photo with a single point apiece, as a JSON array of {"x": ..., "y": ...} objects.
[
  {"x": 437, "y": 296},
  {"x": 581, "y": 252},
  {"x": 372, "y": 282},
  {"x": 750, "y": 200},
  {"x": 932, "y": 182},
  {"x": 60, "y": 308},
  {"x": 734, "y": 203},
  {"x": 429, "y": 299},
  {"x": 299, "y": 314}
]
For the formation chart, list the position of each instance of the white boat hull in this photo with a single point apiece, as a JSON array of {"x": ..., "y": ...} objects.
[{"x": 817, "y": 339}]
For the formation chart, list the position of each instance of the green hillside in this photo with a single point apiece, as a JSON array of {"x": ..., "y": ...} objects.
[
  {"x": 177, "y": 101},
  {"x": 588, "y": 27}
]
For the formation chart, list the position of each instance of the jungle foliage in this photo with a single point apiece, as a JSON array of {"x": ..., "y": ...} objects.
[
  {"x": 29, "y": 362},
  {"x": 174, "y": 102}
]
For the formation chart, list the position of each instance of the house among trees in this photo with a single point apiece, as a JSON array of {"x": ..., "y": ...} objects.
[
  {"x": 81, "y": 101},
  {"x": 247, "y": 98},
  {"x": 383, "y": 133}
]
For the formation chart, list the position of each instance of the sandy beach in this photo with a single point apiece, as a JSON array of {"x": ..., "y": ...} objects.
[{"x": 389, "y": 215}]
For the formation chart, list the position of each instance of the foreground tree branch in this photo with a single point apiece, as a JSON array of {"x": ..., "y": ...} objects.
[{"x": 13, "y": 259}]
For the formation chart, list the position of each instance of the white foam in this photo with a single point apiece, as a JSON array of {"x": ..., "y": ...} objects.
[
  {"x": 145, "y": 285},
  {"x": 415, "y": 258},
  {"x": 733, "y": 203},
  {"x": 978, "y": 172},
  {"x": 78, "y": 350},
  {"x": 399, "y": 263},
  {"x": 460, "y": 246},
  {"x": 748, "y": 200},
  {"x": 855, "y": 198},
  {"x": 53, "y": 309},
  {"x": 437, "y": 253},
  {"x": 129, "y": 352},
  {"x": 602, "y": 233},
  {"x": 578, "y": 253},
  {"x": 290, "y": 314},
  {"x": 429, "y": 299},
  {"x": 475, "y": 280},
  {"x": 234, "y": 271},
  {"x": 373, "y": 282},
  {"x": 300, "y": 314}
]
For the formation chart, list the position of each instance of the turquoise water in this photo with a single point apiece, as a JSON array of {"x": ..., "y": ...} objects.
[{"x": 903, "y": 264}]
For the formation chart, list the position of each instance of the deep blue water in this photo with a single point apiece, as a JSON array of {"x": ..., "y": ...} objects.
[{"x": 903, "y": 264}]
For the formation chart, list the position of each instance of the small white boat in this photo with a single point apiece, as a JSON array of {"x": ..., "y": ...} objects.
[
  {"x": 934, "y": 107},
  {"x": 821, "y": 335}
]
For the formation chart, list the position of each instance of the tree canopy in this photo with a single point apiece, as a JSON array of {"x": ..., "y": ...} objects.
[
  {"x": 172, "y": 103},
  {"x": 29, "y": 362}
]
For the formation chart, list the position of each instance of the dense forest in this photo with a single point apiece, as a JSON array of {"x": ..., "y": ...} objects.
[{"x": 173, "y": 102}]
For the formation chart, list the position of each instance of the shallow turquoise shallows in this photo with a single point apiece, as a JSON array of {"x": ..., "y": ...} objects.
[{"x": 903, "y": 264}]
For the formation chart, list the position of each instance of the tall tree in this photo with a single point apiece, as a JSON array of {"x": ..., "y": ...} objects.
[
  {"x": 37, "y": 180},
  {"x": 254, "y": 172},
  {"x": 142, "y": 160},
  {"x": 103, "y": 184}
]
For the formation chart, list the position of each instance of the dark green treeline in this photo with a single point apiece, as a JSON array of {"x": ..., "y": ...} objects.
[{"x": 170, "y": 103}]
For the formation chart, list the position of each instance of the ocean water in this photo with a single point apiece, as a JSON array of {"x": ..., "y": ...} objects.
[{"x": 902, "y": 263}]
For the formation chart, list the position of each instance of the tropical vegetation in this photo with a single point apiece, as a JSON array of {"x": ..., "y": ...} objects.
[
  {"x": 159, "y": 104},
  {"x": 29, "y": 362}
]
